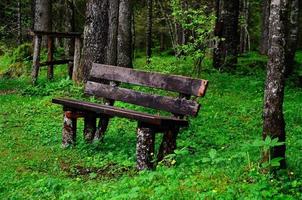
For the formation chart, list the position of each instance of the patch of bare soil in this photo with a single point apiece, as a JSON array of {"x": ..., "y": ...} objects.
[{"x": 6, "y": 92}]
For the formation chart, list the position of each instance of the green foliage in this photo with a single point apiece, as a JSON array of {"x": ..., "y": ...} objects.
[
  {"x": 215, "y": 158},
  {"x": 199, "y": 25}
]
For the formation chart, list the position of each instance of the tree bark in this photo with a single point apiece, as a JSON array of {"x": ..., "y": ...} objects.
[
  {"x": 43, "y": 17},
  {"x": 264, "y": 41},
  {"x": 69, "y": 26},
  {"x": 95, "y": 36},
  {"x": 149, "y": 31},
  {"x": 225, "y": 55},
  {"x": 145, "y": 147},
  {"x": 292, "y": 36},
  {"x": 113, "y": 32},
  {"x": 69, "y": 129},
  {"x": 124, "y": 54},
  {"x": 19, "y": 23},
  {"x": 274, "y": 124}
]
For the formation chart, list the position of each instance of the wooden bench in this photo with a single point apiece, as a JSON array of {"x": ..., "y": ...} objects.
[{"x": 104, "y": 83}]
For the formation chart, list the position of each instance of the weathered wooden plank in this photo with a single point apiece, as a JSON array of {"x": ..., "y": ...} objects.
[
  {"x": 179, "y": 105},
  {"x": 55, "y": 62},
  {"x": 56, "y": 34},
  {"x": 119, "y": 112},
  {"x": 181, "y": 84}
]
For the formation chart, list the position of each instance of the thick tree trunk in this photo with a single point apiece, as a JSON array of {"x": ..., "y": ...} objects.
[
  {"x": 124, "y": 54},
  {"x": 149, "y": 31},
  {"x": 113, "y": 32},
  {"x": 274, "y": 125},
  {"x": 292, "y": 36},
  {"x": 43, "y": 17},
  {"x": 264, "y": 41},
  {"x": 95, "y": 36},
  {"x": 225, "y": 55},
  {"x": 69, "y": 26}
]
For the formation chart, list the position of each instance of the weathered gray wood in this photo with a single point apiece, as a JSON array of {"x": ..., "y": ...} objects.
[
  {"x": 174, "y": 83},
  {"x": 76, "y": 61},
  {"x": 179, "y": 105},
  {"x": 50, "y": 44},
  {"x": 145, "y": 148},
  {"x": 119, "y": 112},
  {"x": 69, "y": 129},
  {"x": 89, "y": 127},
  {"x": 168, "y": 144},
  {"x": 36, "y": 59}
]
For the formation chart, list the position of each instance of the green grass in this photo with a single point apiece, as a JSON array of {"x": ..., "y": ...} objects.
[{"x": 33, "y": 165}]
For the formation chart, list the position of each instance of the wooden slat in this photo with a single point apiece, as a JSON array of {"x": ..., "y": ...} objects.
[
  {"x": 56, "y": 34},
  {"x": 179, "y": 105},
  {"x": 119, "y": 112},
  {"x": 56, "y": 62},
  {"x": 174, "y": 83}
]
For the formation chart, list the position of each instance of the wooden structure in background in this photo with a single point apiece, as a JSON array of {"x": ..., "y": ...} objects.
[
  {"x": 103, "y": 83},
  {"x": 73, "y": 63}
]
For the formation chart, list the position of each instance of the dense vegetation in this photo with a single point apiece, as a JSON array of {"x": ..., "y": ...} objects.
[
  {"x": 217, "y": 157},
  {"x": 245, "y": 143}
]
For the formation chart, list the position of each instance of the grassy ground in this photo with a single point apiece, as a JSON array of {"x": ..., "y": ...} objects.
[{"x": 215, "y": 159}]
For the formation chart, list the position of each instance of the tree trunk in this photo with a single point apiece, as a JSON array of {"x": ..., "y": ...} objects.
[
  {"x": 292, "y": 36},
  {"x": 113, "y": 32},
  {"x": 69, "y": 26},
  {"x": 149, "y": 31},
  {"x": 19, "y": 23},
  {"x": 264, "y": 41},
  {"x": 244, "y": 33},
  {"x": 95, "y": 36},
  {"x": 274, "y": 125},
  {"x": 225, "y": 55},
  {"x": 43, "y": 17},
  {"x": 124, "y": 54}
]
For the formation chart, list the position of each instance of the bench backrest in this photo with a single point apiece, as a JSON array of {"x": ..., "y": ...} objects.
[{"x": 183, "y": 85}]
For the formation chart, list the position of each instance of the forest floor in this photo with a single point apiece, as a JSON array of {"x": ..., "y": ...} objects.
[{"x": 217, "y": 156}]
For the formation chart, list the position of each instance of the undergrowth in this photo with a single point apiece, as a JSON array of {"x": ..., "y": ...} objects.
[{"x": 216, "y": 156}]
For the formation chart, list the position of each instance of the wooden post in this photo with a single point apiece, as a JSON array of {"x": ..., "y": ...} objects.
[
  {"x": 36, "y": 58},
  {"x": 50, "y": 46},
  {"x": 102, "y": 127},
  {"x": 145, "y": 147},
  {"x": 168, "y": 144},
  {"x": 89, "y": 127},
  {"x": 76, "y": 61},
  {"x": 69, "y": 129}
]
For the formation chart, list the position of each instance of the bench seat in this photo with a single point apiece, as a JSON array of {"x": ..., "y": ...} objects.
[{"x": 113, "y": 111}]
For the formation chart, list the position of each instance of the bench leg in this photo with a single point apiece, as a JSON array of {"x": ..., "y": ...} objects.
[
  {"x": 102, "y": 127},
  {"x": 145, "y": 148},
  {"x": 89, "y": 127},
  {"x": 69, "y": 129},
  {"x": 168, "y": 144}
]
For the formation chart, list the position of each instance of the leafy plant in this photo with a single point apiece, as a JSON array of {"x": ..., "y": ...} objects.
[
  {"x": 199, "y": 27},
  {"x": 266, "y": 146}
]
